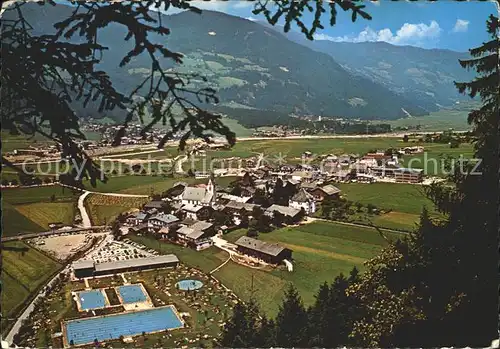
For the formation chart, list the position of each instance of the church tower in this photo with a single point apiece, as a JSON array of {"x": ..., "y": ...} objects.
[{"x": 210, "y": 187}]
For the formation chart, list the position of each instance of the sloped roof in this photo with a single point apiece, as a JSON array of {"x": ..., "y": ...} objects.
[
  {"x": 307, "y": 185},
  {"x": 193, "y": 194},
  {"x": 302, "y": 196},
  {"x": 154, "y": 204},
  {"x": 139, "y": 215},
  {"x": 184, "y": 231},
  {"x": 165, "y": 218},
  {"x": 191, "y": 208},
  {"x": 196, "y": 234},
  {"x": 201, "y": 225},
  {"x": 235, "y": 205},
  {"x": 261, "y": 246},
  {"x": 196, "y": 230},
  {"x": 287, "y": 211},
  {"x": 235, "y": 197},
  {"x": 302, "y": 174},
  {"x": 330, "y": 189}
]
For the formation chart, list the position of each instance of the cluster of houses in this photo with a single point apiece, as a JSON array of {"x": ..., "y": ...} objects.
[
  {"x": 185, "y": 214},
  {"x": 371, "y": 167}
]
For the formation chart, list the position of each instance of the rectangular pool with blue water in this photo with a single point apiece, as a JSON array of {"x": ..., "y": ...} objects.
[
  {"x": 131, "y": 294},
  {"x": 102, "y": 328},
  {"x": 93, "y": 299}
]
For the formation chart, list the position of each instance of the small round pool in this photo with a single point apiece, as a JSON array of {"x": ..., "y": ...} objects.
[{"x": 189, "y": 285}]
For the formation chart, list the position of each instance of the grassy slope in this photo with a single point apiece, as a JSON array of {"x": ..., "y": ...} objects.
[
  {"x": 322, "y": 250},
  {"x": 22, "y": 273},
  {"x": 405, "y": 198}
]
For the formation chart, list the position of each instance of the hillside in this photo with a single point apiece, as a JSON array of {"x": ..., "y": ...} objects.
[
  {"x": 424, "y": 76},
  {"x": 251, "y": 66}
]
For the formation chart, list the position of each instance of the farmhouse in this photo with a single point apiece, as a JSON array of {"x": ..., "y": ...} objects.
[
  {"x": 268, "y": 252},
  {"x": 289, "y": 212},
  {"x": 137, "y": 218},
  {"x": 197, "y": 212},
  {"x": 197, "y": 235},
  {"x": 342, "y": 175},
  {"x": 303, "y": 200},
  {"x": 155, "y": 204},
  {"x": 301, "y": 176},
  {"x": 321, "y": 193},
  {"x": 162, "y": 220},
  {"x": 89, "y": 268},
  {"x": 236, "y": 207},
  {"x": 224, "y": 198}
]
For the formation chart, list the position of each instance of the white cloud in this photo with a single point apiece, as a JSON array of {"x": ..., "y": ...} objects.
[
  {"x": 325, "y": 37},
  {"x": 242, "y": 4},
  {"x": 419, "y": 34},
  {"x": 213, "y": 5},
  {"x": 253, "y": 19},
  {"x": 461, "y": 26}
]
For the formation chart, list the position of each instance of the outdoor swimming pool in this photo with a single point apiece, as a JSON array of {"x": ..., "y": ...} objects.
[
  {"x": 126, "y": 324},
  {"x": 132, "y": 294},
  {"x": 91, "y": 299},
  {"x": 189, "y": 285}
]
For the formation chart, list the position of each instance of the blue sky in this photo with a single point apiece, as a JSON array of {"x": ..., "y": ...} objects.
[{"x": 443, "y": 24}]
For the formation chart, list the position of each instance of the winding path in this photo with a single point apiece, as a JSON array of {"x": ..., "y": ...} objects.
[{"x": 83, "y": 212}]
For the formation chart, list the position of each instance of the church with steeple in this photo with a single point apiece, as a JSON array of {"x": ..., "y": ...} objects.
[{"x": 204, "y": 196}]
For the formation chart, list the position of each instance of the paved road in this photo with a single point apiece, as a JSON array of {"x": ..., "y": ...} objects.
[{"x": 51, "y": 232}]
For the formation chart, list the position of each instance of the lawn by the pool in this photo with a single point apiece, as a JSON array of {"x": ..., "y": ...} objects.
[{"x": 104, "y": 328}]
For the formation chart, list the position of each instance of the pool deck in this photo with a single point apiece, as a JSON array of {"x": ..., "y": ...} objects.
[{"x": 66, "y": 344}]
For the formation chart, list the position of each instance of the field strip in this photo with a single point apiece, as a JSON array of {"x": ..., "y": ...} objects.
[{"x": 339, "y": 256}]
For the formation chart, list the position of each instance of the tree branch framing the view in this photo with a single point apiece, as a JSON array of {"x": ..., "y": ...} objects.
[{"x": 43, "y": 74}]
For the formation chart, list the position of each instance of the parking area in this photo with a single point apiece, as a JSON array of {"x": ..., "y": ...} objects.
[{"x": 120, "y": 251}]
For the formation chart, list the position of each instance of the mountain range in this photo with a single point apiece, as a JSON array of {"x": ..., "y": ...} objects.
[
  {"x": 253, "y": 66},
  {"x": 424, "y": 76}
]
